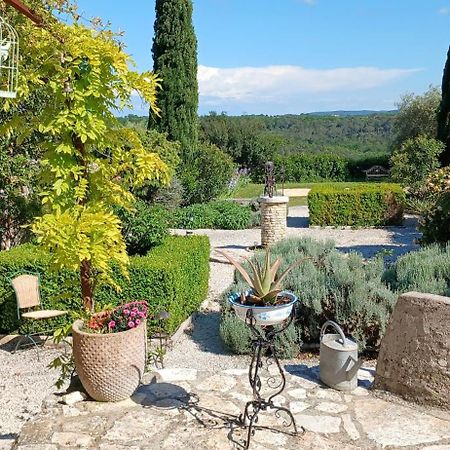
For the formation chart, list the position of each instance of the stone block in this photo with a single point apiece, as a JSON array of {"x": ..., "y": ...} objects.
[{"x": 414, "y": 358}]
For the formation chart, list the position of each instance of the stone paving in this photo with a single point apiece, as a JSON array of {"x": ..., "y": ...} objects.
[{"x": 197, "y": 409}]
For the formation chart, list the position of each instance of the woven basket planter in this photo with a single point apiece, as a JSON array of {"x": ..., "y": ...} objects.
[{"x": 110, "y": 366}]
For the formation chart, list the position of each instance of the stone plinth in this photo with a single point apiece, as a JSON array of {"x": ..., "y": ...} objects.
[
  {"x": 414, "y": 358},
  {"x": 273, "y": 219}
]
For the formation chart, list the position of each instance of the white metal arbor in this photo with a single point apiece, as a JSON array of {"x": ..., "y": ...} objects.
[{"x": 9, "y": 60}]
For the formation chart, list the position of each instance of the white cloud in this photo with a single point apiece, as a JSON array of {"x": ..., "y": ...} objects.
[
  {"x": 444, "y": 11},
  {"x": 279, "y": 83}
]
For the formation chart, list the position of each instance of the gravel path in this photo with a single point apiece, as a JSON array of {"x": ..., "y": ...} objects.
[{"x": 25, "y": 381}]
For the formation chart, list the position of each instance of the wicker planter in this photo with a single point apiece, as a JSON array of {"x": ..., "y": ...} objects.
[{"x": 110, "y": 366}]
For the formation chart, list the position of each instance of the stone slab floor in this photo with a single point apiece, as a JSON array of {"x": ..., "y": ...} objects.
[{"x": 192, "y": 409}]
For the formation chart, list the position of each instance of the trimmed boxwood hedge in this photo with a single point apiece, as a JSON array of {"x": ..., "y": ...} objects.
[
  {"x": 172, "y": 276},
  {"x": 358, "y": 204}
]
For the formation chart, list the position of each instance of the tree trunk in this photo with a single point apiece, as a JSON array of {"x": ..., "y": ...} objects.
[
  {"x": 86, "y": 286},
  {"x": 85, "y": 267}
]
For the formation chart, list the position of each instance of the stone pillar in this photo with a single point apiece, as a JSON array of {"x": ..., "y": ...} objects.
[
  {"x": 273, "y": 219},
  {"x": 414, "y": 358}
]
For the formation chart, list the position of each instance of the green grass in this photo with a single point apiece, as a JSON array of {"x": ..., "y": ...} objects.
[
  {"x": 254, "y": 190},
  {"x": 298, "y": 201}
]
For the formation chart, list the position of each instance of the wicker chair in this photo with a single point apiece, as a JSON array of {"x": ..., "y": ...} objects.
[{"x": 26, "y": 287}]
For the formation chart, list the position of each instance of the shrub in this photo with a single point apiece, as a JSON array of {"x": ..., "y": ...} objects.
[
  {"x": 331, "y": 285},
  {"x": 172, "y": 276},
  {"x": 208, "y": 174},
  {"x": 426, "y": 270},
  {"x": 361, "y": 204},
  {"x": 224, "y": 215},
  {"x": 144, "y": 228},
  {"x": 416, "y": 158},
  {"x": 307, "y": 167},
  {"x": 433, "y": 200}
]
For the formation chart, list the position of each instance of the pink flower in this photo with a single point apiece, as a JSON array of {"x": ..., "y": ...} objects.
[
  {"x": 141, "y": 314},
  {"x": 131, "y": 324},
  {"x": 133, "y": 313},
  {"x": 126, "y": 312},
  {"x": 111, "y": 324},
  {"x": 137, "y": 321},
  {"x": 135, "y": 309}
]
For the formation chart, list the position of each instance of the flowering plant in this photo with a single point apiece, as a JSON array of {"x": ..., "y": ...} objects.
[{"x": 121, "y": 318}]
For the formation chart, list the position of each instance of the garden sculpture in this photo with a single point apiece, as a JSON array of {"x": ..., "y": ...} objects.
[{"x": 269, "y": 187}]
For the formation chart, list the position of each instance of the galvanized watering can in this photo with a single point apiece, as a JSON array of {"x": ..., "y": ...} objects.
[{"x": 339, "y": 361}]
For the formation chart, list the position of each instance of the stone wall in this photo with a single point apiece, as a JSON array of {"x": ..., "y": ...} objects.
[
  {"x": 273, "y": 219},
  {"x": 414, "y": 358}
]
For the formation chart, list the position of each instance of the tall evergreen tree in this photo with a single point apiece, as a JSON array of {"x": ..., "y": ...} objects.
[
  {"x": 175, "y": 61},
  {"x": 444, "y": 113}
]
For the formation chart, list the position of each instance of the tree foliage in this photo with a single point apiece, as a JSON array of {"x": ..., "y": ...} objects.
[
  {"x": 175, "y": 61},
  {"x": 414, "y": 160},
  {"x": 444, "y": 113},
  {"x": 90, "y": 163},
  {"x": 417, "y": 116}
]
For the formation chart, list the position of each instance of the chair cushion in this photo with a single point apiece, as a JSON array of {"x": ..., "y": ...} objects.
[{"x": 43, "y": 314}]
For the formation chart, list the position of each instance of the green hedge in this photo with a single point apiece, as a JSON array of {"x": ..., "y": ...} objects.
[
  {"x": 360, "y": 204},
  {"x": 172, "y": 276},
  {"x": 307, "y": 167},
  {"x": 220, "y": 215}
]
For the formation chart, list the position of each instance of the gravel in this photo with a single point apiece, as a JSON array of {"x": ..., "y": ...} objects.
[{"x": 25, "y": 382}]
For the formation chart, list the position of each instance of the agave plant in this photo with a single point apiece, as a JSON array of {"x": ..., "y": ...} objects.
[{"x": 264, "y": 280}]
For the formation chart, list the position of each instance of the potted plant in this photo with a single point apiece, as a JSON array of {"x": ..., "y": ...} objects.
[
  {"x": 265, "y": 302},
  {"x": 91, "y": 167},
  {"x": 109, "y": 351}
]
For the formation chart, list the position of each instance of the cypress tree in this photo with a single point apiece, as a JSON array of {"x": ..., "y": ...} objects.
[
  {"x": 175, "y": 61},
  {"x": 444, "y": 114}
]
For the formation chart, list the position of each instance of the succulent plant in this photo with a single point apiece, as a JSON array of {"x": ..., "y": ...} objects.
[{"x": 264, "y": 280}]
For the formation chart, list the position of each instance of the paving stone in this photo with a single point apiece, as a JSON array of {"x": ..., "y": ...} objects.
[
  {"x": 298, "y": 393},
  {"x": 137, "y": 427},
  {"x": 37, "y": 447},
  {"x": 235, "y": 372},
  {"x": 217, "y": 383},
  {"x": 177, "y": 374},
  {"x": 437, "y": 447},
  {"x": 327, "y": 394},
  {"x": 390, "y": 424},
  {"x": 319, "y": 424},
  {"x": 360, "y": 391},
  {"x": 70, "y": 411},
  {"x": 350, "y": 427},
  {"x": 71, "y": 440},
  {"x": 270, "y": 438},
  {"x": 312, "y": 441},
  {"x": 330, "y": 407},
  {"x": 297, "y": 406},
  {"x": 94, "y": 424},
  {"x": 6, "y": 444}
]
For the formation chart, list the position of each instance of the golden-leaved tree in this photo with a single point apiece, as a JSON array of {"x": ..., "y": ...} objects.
[{"x": 90, "y": 163}]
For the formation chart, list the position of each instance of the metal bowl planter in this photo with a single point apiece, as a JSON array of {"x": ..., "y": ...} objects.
[
  {"x": 263, "y": 315},
  {"x": 110, "y": 366}
]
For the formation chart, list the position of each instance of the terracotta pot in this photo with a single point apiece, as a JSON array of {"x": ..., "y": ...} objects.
[{"x": 110, "y": 366}]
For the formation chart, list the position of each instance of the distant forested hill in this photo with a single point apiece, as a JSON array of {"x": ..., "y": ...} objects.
[{"x": 254, "y": 137}]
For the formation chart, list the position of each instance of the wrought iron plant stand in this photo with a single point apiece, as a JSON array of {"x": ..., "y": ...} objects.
[{"x": 264, "y": 351}]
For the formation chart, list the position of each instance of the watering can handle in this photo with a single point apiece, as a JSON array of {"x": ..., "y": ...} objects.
[{"x": 329, "y": 323}]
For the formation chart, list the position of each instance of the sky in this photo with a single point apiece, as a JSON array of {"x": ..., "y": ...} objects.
[{"x": 296, "y": 56}]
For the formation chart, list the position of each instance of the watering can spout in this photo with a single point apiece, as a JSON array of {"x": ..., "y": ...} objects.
[{"x": 355, "y": 366}]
